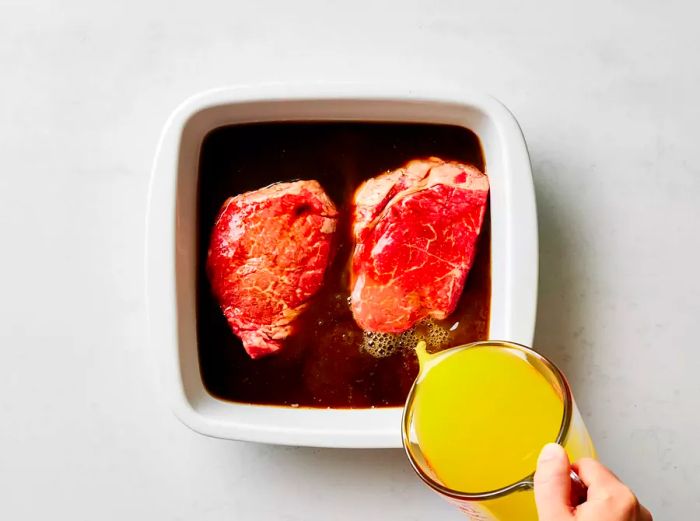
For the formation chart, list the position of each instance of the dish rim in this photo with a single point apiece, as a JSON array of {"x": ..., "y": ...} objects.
[{"x": 515, "y": 252}]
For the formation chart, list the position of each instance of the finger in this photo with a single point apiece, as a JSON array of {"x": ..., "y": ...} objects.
[
  {"x": 595, "y": 463},
  {"x": 644, "y": 514},
  {"x": 600, "y": 481},
  {"x": 553, "y": 484}
]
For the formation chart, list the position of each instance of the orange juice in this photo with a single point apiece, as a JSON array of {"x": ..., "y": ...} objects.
[{"x": 479, "y": 416}]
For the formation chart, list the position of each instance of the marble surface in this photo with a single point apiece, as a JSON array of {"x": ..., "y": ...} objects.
[{"x": 607, "y": 95}]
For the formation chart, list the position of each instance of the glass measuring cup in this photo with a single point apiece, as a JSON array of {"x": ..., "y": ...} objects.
[{"x": 514, "y": 500}]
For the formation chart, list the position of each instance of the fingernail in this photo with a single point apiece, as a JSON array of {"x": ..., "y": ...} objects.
[{"x": 549, "y": 452}]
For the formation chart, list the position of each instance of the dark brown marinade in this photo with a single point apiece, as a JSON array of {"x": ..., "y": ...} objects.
[{"x": 321, "y": 364}]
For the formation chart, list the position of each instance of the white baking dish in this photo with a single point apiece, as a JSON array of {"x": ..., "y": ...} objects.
[{"x": 171, "y": 243}]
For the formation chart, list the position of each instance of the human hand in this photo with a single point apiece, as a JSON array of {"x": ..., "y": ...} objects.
[{"x": 608, "y": 499}]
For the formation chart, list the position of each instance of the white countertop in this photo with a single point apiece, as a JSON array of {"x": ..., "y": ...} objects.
[{"x": 607, "y": 98}]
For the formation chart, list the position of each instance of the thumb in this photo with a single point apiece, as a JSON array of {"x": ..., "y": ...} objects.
[{"x": 553, "y": 484}]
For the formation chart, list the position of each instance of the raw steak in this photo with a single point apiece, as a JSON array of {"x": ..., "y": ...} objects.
[
  {"x": 415, "y": 232},
  {"x": 267, "y": 257}
]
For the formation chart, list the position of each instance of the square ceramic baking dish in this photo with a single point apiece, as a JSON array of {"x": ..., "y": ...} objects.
[{"x": 171, "y": 243}]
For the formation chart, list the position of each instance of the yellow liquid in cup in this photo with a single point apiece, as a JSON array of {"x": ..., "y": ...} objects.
[{"x": 480, "y": 417}]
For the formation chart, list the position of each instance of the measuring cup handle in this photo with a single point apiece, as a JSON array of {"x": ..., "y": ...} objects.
[{"x": 579, "y": 490}]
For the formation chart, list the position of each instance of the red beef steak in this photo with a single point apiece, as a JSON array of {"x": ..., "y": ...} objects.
[
  {"x": 415, "y": 232},
  {"x": 267, "y": 257}
]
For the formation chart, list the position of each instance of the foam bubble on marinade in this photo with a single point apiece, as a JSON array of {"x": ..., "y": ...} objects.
[{"x": 382, "y": 345}]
